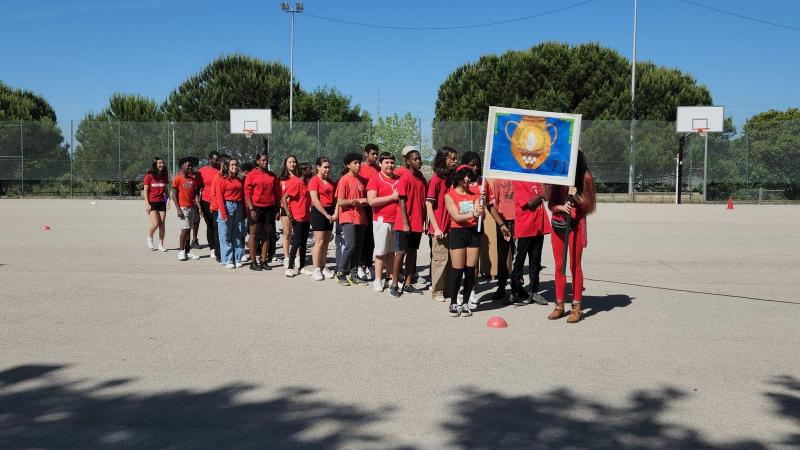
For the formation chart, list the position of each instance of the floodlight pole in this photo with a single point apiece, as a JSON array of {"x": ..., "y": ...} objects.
[
  {"x": 633, "y": 98},
  {"x": 298, "y": 8}
]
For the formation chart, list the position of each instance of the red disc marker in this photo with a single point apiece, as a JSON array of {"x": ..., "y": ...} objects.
[{"x": 497, "y": 322}]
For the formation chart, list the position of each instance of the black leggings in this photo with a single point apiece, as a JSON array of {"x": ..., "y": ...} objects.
[
  {"x": 530, "y": 247},
  {"x": 299, "y": 237},
  {"x": 454, "y": 283},
  {"x": 503, "y": 249},
  {"x": 211, "y": 226}
]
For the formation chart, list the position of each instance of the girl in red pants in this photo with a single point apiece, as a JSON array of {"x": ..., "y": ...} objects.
[{"x": 577, "y": 201}]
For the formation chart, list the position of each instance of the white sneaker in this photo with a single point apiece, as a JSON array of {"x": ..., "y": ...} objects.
[
  {"x": 473, "y": 301},
  {"x": 239, "y": 265},
  {"x": 290, "y": 273},
  {"x": 361, "y": 272},
  {"x": 317, "y": 275},
  {"x": 192, "y": 256},
  {"x": 245, "y": 258},
  {"x": 150, "y": 244},
  {"x": 228, "y": 266},
  {"x": 305, "y": 271},
  {"x": 181, "y": 256},
  {"x": 286, "y": 262},
  {"x": 161, "y": 248},
  {"x": 328, "y": 273},
  {"x": 377, "y": 285}
]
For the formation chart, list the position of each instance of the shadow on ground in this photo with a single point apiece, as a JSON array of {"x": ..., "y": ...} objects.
[{"x": 39, "y": 409}]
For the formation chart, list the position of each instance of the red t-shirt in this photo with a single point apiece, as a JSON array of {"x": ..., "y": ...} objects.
[
  {"x": 207, "y": 173},
  {"x": 323, "y": 188},
  {"x": 262, "y": 188},
  {"x": 366, "y": 172},
  {"x": 350, "y": 188},
  {"x": 212, "y": 192},
  {"x": 157, "y": 185},
  {"x": 437, "y": 188},
  {"x": 187, "y": 189},
  {"x": 529, "y": 222},
  {"x": 227, "y": 189},
  {"x": 464, "y": 204},
  {"x": 504, "y": 192},
  {"x": 384, "y": 186},
  {"x": 299, "y": 201},
  {"x": 413, "y": 188}
]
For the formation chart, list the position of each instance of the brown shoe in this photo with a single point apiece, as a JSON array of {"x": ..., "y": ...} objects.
[
  {"x": 558, "y": 312},
  {"x": 574, "y": 314}
]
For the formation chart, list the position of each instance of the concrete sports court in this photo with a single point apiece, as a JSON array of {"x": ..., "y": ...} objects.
[{"x": 690, "y": 340}]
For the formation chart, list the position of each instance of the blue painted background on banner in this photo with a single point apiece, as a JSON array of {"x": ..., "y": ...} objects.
[{"x": 557, "y": 164}]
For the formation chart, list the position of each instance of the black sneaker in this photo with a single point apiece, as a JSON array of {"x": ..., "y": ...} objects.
[
  {"x": 538, "y": 299},
  {"x": 520, "y": 295},
  {"x": 412, "y": 290},
  {"x": 356, "y": 281},
  {"x": 499, "y": 294},
  {"x": 465, "y": 311},
  {"x": 455, "y": 310},
  {"x": 255, "y": 266},
  {"x": 265, "y": 265},
  {"x": 395, "y": 292}
]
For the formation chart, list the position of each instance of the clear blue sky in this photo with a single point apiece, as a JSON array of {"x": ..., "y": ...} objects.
[{"x": 77, "y": 53}]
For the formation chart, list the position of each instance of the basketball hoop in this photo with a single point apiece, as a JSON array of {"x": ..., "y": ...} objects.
[{"x": 248, "y": 132}]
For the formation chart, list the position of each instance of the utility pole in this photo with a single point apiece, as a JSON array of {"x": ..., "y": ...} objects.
[{"x": 298, "y": 8}]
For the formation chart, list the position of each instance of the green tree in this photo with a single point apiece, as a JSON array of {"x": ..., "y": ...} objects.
[
  {"x": 392, "y": 133},
  {"x": 772, "y": 140},
  {"x": 587, "y": 79},
  {"x": 31, "y": 143}
]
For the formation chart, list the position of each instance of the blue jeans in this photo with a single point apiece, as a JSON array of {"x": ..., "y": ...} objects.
[{"x": 231, "y": 232}]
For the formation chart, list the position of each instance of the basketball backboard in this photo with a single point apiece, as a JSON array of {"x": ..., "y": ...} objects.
[
  {"x": 251, "y": 121},
  {"x": 695, "y": 118}
]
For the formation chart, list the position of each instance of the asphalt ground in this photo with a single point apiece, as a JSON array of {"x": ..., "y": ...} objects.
[{"x": 690, "y": 341}]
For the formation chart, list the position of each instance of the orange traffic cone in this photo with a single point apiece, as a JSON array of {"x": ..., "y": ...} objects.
[{"x": 730, "y": 203}]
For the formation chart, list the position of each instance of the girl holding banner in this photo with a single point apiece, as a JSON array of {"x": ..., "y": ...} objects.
[{"x": 577, "y": 202}]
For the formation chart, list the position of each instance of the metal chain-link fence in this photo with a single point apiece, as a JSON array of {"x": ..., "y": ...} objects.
[{"x": 101, "y": 158}]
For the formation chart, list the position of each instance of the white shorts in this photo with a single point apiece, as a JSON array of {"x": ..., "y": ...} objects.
[
  {"x": 189, "y": 215},
  {"x": 383, "y": 233}
]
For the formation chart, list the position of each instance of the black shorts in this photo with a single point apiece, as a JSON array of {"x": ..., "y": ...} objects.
[
  {"x": 158, "y": 206},
  {"x": 406, "y": 240},
  {"x": 320, "y": 222},
  {"x": 464, "y": 238},
  {"x": 264, "y": 214}
]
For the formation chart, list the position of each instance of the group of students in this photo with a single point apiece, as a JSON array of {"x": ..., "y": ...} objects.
[{"x": 379, "y": 209}]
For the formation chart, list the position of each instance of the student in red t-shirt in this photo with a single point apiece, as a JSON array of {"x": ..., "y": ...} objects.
[
  {"x": 323, "y": 216},
  {"x": 208, "y": 173},
  {"x": 185, "y": 195},
  {"x": 155, "y": 183},
  {"x": 297, "y": 201},
  {"x": 504, "y": 195},
  {"x": 262, "y": 196},
  {"x": 532, "y": 224},
  {"x": 439, "y": 219},
  {"x": 578, "y": 201},
  {"x": 410, "y": 221},
  {"x": 369, "y": 167},
  {"x": 383, "y": 197},
  {"x": 229, "y": 194},
  {"x": 350, "y": 201},
  {"x": 288, "y": 172}
]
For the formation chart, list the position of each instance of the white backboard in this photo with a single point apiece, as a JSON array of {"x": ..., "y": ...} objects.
[
  {"x": 258, "y": 120},
  {"x": 690, "y": 118}
]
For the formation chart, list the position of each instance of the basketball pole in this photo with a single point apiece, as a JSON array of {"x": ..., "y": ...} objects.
[{"x": 705, "y": 170}]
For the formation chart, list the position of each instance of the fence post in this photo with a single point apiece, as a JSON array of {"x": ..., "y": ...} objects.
[
  {"x": 471, "y": 138},
  {"x": 119, "y": 157},
  {"x": 71, "y": 156},
  {"x": 22, "y": 161},
  {"x": 317, "y": 138},
  {"x": 216, "y": 135}
]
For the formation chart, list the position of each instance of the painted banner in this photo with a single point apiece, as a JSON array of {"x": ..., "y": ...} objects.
[{"x": 531, "y": 145}]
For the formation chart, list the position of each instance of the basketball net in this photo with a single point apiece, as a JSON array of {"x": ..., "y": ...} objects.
[{"x": 248, "y": 133}]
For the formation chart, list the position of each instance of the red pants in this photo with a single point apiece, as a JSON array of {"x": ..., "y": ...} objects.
[{"x": 576, "y": 243}]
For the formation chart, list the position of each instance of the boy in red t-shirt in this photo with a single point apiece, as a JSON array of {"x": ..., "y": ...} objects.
[
  {"x": 383, "y": 197},
  {"x": 532, "y": 224},
  {"x": 350, "y": 201},
  {"x": 410, "y": 221},
  {"x": 185, "y": 194}
]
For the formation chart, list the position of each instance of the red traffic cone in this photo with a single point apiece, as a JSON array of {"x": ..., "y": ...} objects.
[
  {"x": 730, "y": 203},
  {"x": 497, "y": 322}
]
